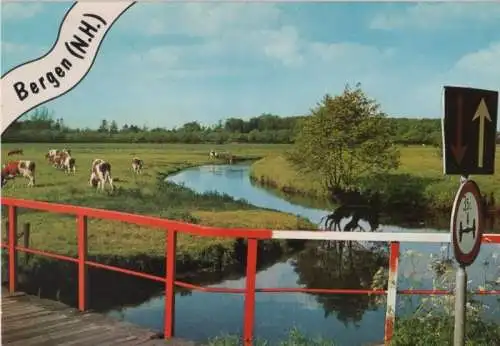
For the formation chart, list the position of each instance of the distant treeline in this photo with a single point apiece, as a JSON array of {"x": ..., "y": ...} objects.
[{"x": 40, "y": 126}]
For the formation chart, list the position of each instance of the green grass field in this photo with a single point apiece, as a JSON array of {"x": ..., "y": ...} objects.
[
  {"x": 144, "y": 194},
  {"x": 420, "y": 175}
]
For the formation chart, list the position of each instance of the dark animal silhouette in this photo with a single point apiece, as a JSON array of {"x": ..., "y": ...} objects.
[
  {"x": 334, "y": 218},
  {"x": 15, "y": 151},
  {"x": 354, "y": 197},
  {"x": 357, "y": 213},
  {"x": 347, "y": 196}
]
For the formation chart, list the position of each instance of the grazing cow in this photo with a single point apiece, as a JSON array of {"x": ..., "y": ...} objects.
[
  {"x": 137, "y": 165},
  {"x": 226, "y": 156},
  {"x": 100, "y": 174},
  {"x": 25, "y": 168},
  {"x": 213, "y": 154},
  {"x": 60, "y": 159},
  {"x": 51, "y": 153},
  {"x": 15, "y": 151},
  {"x": 69, "y": 164}
]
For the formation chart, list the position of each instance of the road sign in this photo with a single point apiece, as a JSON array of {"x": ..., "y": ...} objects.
[
  {"x": 467, "y": 223},
  {"x": 469, "y": 130}
]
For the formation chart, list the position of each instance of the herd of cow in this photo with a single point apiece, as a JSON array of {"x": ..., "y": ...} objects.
[{"x": 100, "y": 170}]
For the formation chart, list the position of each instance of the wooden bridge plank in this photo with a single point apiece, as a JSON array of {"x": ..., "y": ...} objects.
[
  {"x": 7, "y": 300},
  {"x": 28, "y": 316},
  {"x": 52, "y": 337},
  {"x": 42, "y": 328},
  {"x": 126, "y": 340},
  {"x": 93, "y": 339},
  {"x": 28, "y": 320},
  {"x": 84, "y": 332},
  {"x": 35, "y": 323},
  {"x": 19, "y": 311}
]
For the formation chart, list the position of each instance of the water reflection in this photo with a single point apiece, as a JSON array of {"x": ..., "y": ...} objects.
[
  {"x": 348, "y": 319},
  {"x": 355, "y": 214},
  {"x": 200, "y": 316},
  {"x": 341, "y": 265}
]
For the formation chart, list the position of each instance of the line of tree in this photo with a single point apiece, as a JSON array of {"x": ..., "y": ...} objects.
[{"x": 40, "y": 125}]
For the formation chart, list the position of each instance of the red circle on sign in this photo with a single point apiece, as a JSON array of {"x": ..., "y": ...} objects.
[{"x": 466, "y": 259}]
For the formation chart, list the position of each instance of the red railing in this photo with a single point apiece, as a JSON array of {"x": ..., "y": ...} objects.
[{"x": 172, "y": 228}]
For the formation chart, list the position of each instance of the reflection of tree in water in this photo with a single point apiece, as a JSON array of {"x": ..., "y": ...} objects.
[{"x": 338, "y": 265}]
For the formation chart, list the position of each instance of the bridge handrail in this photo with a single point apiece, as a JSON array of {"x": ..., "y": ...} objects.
[
  {"x": 142, "y": 220},
  {"x": 257, "y": 233},
  {"x": 409, "y": 237},
  {"x": 172, "y": 228}
]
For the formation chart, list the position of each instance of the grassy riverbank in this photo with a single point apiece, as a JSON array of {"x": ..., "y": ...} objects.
[
  {"x": 146, "y": 194},
  {"x": 410, "y": 331},
  {"x": 419, "y": 179}
]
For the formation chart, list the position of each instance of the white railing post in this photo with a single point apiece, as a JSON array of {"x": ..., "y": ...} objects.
[{"x": 392, "y": 292}]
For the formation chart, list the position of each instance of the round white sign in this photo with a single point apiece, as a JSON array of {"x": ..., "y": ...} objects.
[{"x": 467, "y": 222}]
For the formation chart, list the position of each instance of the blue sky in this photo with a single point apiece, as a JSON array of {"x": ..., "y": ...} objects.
[{"x": 163, "y": 64}]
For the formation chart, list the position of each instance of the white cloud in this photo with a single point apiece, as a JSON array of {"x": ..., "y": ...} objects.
[
  {"x": 480, "y": 69},
  {"x": 244, "y": 29},
  {"x": 16, "y": 10},
  {"x": 203, "y": 19},
  {"x": 240, "y": 32},
  {"x": 167, "y": 56},
  {"x": 354, "y": 54},
  {"x": 434, "y": 15},
  {"x": 13, "y": 48},
  {"x": 14, "y": 53},
  {"x": 483, "y": 63},
  {"x": 298, "y": 72},
  {"x": 201, "y": 72},
  {"x": 180, "y": 62},
  {"x": 283, "y": 45}
]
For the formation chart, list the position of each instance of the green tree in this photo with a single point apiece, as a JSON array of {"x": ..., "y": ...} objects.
[
  {"x": 192, "y": 126},
  {"x": 113, "y": 128},
  {"x": 234, "y": 125},
  {"x": 104, "y": 127},
  {"x": 343, "y": 138}
]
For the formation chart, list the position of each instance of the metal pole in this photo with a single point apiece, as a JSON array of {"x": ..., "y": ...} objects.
[
  {"x": 460, "y": 304},
  {"x": 460, "y": 297}
]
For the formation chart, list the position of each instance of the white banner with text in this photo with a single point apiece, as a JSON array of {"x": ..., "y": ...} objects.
[{"x": 80, "y": 36}]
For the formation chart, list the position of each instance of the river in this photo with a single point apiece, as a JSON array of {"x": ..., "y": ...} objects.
[{"x": 349, "y": 320}]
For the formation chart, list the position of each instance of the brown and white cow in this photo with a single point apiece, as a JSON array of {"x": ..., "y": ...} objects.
[
  {"x": 213, "y": 154},
  {"x": 59, "y": 159},
  {"x": 51, "y": 154},
  {"x": 25, "y": 168},
  {"x": 101, "y": 174},
  {"x": 52, "y": 157},
  {"x": 69, "y": 164},
  {"x": 137, "y": 165}
]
